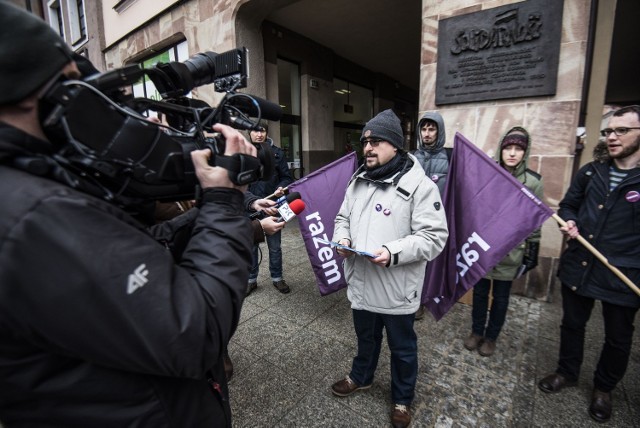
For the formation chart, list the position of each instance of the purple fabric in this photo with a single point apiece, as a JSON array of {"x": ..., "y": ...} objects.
[
  {"x": 489, "y": 213},
  {"x": 323, "y": 192}
]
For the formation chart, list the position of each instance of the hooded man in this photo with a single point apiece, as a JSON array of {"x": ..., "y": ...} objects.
[{"x": 432, "y": 156}]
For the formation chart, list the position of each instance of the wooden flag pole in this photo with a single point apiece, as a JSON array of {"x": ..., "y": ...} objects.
[
  {"x": 600, "y": 257},
  {"x": 273, "y": 195}
]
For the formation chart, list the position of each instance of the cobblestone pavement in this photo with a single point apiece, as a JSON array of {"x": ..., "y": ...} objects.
[{"x": 290, "y": 348}]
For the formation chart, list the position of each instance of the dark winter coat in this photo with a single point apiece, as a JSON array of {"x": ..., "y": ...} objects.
[
  {"x": 610, "y": 221},
  {"x": 98, "y": 325}
]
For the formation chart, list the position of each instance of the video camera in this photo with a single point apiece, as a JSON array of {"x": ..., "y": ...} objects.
[{"x": 103, "y": 136}]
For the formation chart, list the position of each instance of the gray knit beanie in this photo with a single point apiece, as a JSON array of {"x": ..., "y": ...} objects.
[
  {"x": 385, "y": 126},
  {"x": 31, "y": 53}
]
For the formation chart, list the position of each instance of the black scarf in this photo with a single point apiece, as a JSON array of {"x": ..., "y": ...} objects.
[{"x": 400, "y": 163}]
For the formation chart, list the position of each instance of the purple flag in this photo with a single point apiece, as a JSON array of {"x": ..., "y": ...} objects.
[
  {"x": 489, "y": 213},
  {"x": 323, "y": 192}
]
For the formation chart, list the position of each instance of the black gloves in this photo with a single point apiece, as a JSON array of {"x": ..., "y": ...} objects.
[{"x": 530, "y": 259}]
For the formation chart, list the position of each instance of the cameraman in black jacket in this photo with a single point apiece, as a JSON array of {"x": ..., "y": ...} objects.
[{"x": 99, "y": 326}]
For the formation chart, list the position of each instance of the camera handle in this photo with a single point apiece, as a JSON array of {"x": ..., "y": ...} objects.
[{"x": 242, "y": 169}]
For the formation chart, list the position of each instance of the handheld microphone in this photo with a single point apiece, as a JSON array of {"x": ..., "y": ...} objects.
[
  {"x": 279, "y": 202},
  {"x": 289, "y": 211}
]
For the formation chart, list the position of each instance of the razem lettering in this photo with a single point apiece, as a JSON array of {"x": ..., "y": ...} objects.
[
  {"x": 468, "y": 254},
  {"x": 325, "y": 254}
]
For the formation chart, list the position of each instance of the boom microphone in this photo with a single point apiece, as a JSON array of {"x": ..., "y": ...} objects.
[
  {"x": 254, "y": 105},
  {"x": 279, "y": 202}
]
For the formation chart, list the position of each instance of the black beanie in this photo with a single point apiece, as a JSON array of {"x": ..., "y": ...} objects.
[
  {"x": 31, "y": 53},
  {"x": 385, "y": 126}
]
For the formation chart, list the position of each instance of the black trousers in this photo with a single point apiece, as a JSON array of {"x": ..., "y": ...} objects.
[{"x": 618, "y": 337}]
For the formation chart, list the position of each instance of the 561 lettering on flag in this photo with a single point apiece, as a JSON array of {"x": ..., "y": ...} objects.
[{"x": 481, "y": 200}]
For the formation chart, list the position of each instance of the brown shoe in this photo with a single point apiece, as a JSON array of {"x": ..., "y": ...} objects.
[
  {"x": 420, "y": 313},
  {"x": 400, "y": 416},
  {"x": 554, "y": 383},
  {"x": 487, "y": 348},
  {"x": 600, "y": 408},
  {"x": 472, "y": 342},
  {"x": 345, "y": 387},
  {"x": 281, "y": 286}
]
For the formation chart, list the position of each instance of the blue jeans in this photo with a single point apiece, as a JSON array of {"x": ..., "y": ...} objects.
[
  {"x": 501, "y": 291},
  {"x": 403, "y": 344},
  {"x": 618, "y": 337},
  {"x": 275, "y": 259}
]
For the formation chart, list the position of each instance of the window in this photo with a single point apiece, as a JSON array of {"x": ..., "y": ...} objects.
[
  {"x": 289, "y": 99},
  {"x": 77, "y": 21},
  {"x": 71, "y": 11},
  {"x": 145, "y": 87},
  {"x": 352, "y": 107},
  {"x": 55, "y": 17}
]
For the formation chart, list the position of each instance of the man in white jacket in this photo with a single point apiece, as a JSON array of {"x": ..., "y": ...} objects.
[{"x": 393, "y": 211}]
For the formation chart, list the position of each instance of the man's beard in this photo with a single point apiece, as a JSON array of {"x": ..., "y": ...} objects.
[
  {"x": 428, "y": 144},
  {"x": 627, "y": 151}
]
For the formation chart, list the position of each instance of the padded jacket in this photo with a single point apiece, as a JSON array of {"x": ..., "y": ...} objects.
[{"x": 406, "y": 217}]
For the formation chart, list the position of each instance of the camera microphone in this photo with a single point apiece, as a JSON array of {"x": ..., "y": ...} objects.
[
  {"x": 254, "y": 105},
  {"x": 285, "y": 199}
]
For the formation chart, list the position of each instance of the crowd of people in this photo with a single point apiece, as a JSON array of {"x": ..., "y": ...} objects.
[{"x": 107, "y": 320}]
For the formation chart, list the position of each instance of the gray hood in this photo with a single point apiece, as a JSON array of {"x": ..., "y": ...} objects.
[{"x": 441, "y": 133}]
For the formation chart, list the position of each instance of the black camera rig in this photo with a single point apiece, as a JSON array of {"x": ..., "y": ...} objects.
[{"x": 102, "y": 134}]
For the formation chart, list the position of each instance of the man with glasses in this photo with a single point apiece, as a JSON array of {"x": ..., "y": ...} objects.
[
  {"x": 393, "y": 211},
  {"x": 280, "y": 179},
  {"x": 602, "y": 205}
]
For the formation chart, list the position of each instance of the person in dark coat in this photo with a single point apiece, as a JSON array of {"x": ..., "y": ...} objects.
[
  {"x": 603, "y": 206},
  {"x": 99, "y": 325},
  {"x": 275, "y": 185}
]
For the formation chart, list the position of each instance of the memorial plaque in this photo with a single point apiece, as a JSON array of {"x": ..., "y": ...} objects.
[{"x": 505, "y": 52}]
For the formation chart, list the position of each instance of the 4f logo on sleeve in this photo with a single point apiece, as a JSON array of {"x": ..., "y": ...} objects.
[{"x": 138, "y": 278}]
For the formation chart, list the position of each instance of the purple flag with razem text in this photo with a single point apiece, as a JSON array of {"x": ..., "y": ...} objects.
[
  {"x": 489, "y": 212},
  {"x": 323, "y": 192}
]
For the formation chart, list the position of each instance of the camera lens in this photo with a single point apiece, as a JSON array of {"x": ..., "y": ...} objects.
[{"x": 202, "y": 68}]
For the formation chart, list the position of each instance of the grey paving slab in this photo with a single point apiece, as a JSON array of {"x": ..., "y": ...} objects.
[{"x": 290, "y": 348}]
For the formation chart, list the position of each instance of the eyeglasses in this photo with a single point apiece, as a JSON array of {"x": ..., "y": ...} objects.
[
  {"x": 618, "y": 131},
  {"x": 374, "y": 143}
]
